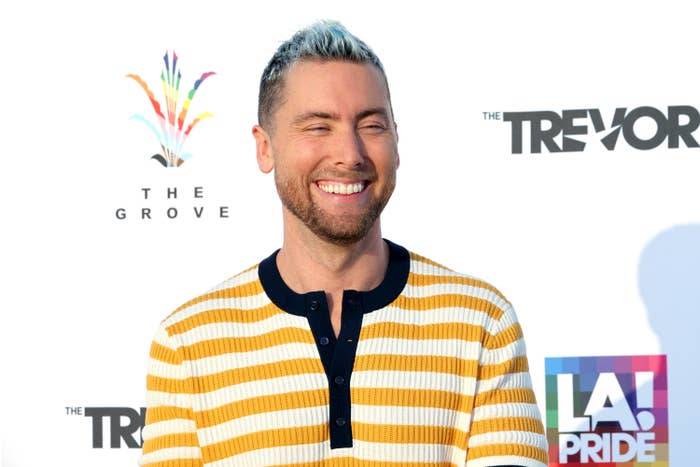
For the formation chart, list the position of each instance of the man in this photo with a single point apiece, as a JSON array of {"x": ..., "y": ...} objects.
[{"x": 341, "y": 348}]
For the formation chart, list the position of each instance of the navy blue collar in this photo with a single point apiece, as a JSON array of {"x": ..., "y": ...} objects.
[{"x": 298, "y": 304}]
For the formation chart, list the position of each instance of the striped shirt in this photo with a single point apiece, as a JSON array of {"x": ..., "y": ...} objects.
[{"x": 429, "y": 369}]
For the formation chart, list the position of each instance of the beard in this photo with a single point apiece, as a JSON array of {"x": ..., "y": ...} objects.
[{"x": 339, "y": 230}]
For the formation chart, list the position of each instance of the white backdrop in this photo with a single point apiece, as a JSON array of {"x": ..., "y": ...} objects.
[{"x": 562, "y": 235}]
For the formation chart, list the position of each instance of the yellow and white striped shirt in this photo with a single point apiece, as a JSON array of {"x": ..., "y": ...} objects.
[{"x": 429, "y": 369}]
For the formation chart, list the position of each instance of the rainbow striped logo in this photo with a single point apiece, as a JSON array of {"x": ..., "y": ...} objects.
[
  {"x": 170, "y": 130},
  {"x": 607, "y": 411}
]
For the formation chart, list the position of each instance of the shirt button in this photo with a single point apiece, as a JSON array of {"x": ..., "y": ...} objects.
[
  {"x": 314, "y": 305},
  {"x": 324, "y": 341},
  {"x": 339, "y": 380},
  {"x": 340, "y": 421}
]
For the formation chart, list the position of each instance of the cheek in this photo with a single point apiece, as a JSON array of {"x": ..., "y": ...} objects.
[
  {"x": 386, "y": 156},
  {"x": 304, "y": 153},
  {"x": 297, "y": 157}
]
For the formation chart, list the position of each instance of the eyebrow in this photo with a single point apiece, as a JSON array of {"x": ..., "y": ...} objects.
[
  {"x": 381, "y": 111},
  {"x": 299, "y": 119},
  {"x": 306, "y": 116}
]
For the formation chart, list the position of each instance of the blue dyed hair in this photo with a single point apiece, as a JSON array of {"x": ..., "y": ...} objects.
[{"x": 324, "y": 41}]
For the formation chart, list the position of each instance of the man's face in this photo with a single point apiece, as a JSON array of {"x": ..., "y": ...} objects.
[{"x": 334, "y": 148}]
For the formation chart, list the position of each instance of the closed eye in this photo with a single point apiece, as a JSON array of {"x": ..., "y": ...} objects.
[
  {"x": 373, "y": 128},
  {"x": 317, "y": 128}
]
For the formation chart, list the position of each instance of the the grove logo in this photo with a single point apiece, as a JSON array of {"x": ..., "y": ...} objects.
[
  {"x": 607, "y": 411},
  {"x": 170, "y": 128}
]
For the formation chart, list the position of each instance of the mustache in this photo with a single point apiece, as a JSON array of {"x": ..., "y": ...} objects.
[{"x": 361, "y": 173}]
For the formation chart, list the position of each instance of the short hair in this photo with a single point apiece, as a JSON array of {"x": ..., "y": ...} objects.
[{"x": 324, "y": 41}]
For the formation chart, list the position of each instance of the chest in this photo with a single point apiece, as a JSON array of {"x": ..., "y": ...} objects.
[{"x": 293, "y": 383}]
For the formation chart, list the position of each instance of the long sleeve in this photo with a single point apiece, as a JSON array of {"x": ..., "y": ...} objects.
[
  {"x": 506, "y": 424},
  {"x": 169, "y": 436}
]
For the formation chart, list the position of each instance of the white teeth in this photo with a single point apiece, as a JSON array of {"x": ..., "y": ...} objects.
[{"x": 342, "y": 189}]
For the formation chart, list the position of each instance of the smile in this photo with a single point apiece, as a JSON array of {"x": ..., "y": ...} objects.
[{"x": 341, "y": 188}]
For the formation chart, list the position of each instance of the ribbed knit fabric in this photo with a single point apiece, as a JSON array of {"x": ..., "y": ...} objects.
[{"x": 440, "y": 378}]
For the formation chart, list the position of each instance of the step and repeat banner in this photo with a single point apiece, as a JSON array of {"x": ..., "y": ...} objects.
[{"x": 550, "y": 149}]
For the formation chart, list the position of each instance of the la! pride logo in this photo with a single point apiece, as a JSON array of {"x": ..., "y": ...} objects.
[{"x": 607, "y": 411}]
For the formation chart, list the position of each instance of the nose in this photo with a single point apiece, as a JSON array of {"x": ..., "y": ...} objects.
[{"x": 350, "y": 151}]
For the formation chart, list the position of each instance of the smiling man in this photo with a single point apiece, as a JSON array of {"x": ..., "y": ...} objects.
[{"x": 341, "y": 348}]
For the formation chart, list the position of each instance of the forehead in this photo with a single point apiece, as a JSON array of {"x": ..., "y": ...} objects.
[{"x": 333, "y": 86}]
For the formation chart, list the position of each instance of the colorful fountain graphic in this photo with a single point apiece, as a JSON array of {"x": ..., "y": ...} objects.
[{"x": 170, "y": 128}]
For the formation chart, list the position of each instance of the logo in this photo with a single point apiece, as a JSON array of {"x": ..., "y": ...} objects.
[
  {"x": 117, "y": 423},
  {"x": 166, "y": 201},
  {"x": 557, "y": 132},
  {"x": 170, "y": 130},
  {"x": 170, "y": 212},
  {"x": 608, "y": 411}
]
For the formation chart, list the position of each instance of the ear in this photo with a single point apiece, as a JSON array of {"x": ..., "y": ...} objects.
[
  {"x": 263, "y": 149},
  {"x": 398, "y": 159}
]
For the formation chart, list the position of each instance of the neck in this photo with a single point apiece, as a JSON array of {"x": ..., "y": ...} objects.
[{"x": 308, "y": 263}]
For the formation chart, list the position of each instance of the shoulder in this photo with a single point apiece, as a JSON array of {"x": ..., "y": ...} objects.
[
  {"x": 428, "y": 278},
  {"x": 241, "y": 291}
]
